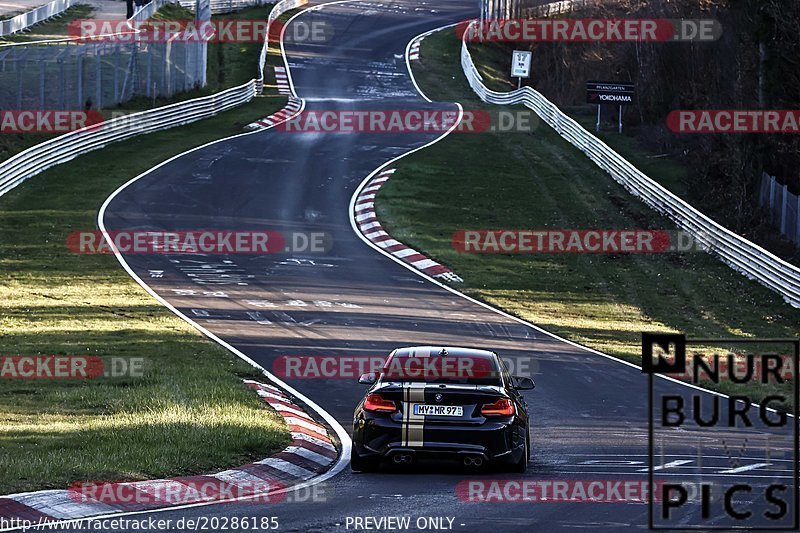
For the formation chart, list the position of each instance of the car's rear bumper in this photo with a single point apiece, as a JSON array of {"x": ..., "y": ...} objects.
[{"x": 494, "y": 442}]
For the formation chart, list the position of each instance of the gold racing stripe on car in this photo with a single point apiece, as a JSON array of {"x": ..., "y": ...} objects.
[{"x": 413, "y": 425}]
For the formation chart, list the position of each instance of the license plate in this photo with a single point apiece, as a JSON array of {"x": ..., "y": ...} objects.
[{"x": 438, "y": 410}]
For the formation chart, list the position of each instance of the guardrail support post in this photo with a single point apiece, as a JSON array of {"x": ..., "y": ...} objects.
[
  {"x": 117, "y": 96},
  {"x": 98, "y": 73},
  {"x": 797, "y": 221},
  {"x": 42, "y": 80},
  {"x": 19, "y": 83},
  {"x": 784, "y": 208},
  {"x": 771, "y": 193},
  {"x": 80, "y": 80},
  {"x": 597, "y": 127}
]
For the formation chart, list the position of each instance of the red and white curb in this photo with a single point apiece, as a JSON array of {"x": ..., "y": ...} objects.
[
  {"x": 292, "y": 107},
  {"x": 310, "y": 453},
  {"x": 282, "y": 80},
  {"x": 413, "y": 51},
  {"x": 370, "y": 227}
]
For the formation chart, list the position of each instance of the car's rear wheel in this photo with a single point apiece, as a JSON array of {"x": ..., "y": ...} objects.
[
  {"x": 522, "y": 465},
  {"x": 362, "y": 464}
]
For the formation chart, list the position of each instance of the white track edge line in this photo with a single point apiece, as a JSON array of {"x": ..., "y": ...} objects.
[
  {"x": 354, "y": 226},
  {"x": 342, "y": 435}
]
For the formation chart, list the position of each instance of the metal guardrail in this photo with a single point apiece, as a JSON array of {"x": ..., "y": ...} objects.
[
  {"x": 149, "y": 9},
  {"x": 739, "y": 253},
  {"x": 35, "y": 16},
  {"x": 56, "y": 7},
  {"x": 65, "y": 147},
  {"x": 75, "y": 72},
  {"x": 280, "y": 8},
  {"x": 61, "y": 149},
  {"x": 225, "y": 6}
]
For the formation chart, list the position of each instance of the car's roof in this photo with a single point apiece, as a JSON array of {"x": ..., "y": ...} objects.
[{"x": 424, "y": 351}]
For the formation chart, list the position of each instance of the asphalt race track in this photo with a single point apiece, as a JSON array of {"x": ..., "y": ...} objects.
[{"x": 589, "y": 412}]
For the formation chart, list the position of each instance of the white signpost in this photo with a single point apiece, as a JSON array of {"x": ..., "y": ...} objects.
[{"x": 521, "y": 66}]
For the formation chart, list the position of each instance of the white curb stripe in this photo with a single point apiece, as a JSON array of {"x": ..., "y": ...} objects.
[
  {"x": 286, "y": 409},
  {"x": 313, "y": 440},
  {"x": 286, "y": 466},
  {"x": 370, "y": 225},
  {"x": 316, "y": 428},
  {"x": 422, "y": 264},
  {"x": 311, "y": 456},
  {"x": 387, "y": 243},
  {"x": 61, "y": 504},
  {"x": 405, "y": 252}
]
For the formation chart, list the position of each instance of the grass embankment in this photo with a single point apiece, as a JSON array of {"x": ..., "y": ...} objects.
[
  {"x": 539, "y": 181},
  {"x": 189, "y": 413},
  {"x": 55, "y": 28},
  {"x": 229, "y": 64}
]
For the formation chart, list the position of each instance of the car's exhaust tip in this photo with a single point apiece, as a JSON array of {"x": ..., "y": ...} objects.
[
  {"x": 473, "y": 461},
  {"x": 402, "y": 458}
]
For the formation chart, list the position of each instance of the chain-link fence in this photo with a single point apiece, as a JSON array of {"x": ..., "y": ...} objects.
[
  {"x": 69, "y": 75},
  {"x": 507, "y": 9},
  {"x": 784, "y": 207}
]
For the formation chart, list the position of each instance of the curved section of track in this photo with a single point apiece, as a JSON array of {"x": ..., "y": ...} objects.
[{"x": 590, "y": 412}]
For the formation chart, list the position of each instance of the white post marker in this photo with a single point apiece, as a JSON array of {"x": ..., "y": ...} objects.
[{"x": 521, "y": 66}]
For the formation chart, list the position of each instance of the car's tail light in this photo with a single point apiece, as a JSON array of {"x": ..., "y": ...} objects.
[
  {"x": 502, "y": 407},
  {"x": 376, "y": 402}
]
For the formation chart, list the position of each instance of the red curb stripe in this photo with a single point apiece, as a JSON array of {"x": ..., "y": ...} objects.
[
  {"x": 316, "y": 448},
  {"x": 300, "y": 461},
  {"x": 413, "y": 258},
  {"x": 381, "y": 238},
  {"x": 287, "y": 403},
  {"x": 306, "y": 431},
  {"x": 436, "y": 270},
  {"x": 311, "y": 422},
  {"x": 375, "y": 184},
  {"x": 303, "y": 414},
  {"x": 13, "y": 509},
  {"x": 268, "y": 473}
]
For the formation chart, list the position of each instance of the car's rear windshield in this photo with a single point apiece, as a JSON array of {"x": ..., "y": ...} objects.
[{"x": 449, "y": 369}]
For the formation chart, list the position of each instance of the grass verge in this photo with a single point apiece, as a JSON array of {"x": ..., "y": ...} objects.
[
  {"x": 189, "y": 413},
  {"x": 539, "y": 181},
  {"x": 55, "y": 28},
  {"x": 229, "y": 64}
]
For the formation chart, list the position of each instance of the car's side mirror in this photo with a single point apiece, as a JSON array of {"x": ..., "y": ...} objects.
[
  {"x": 521, "y": 383},
  {"x": 368, "y": 379}
]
